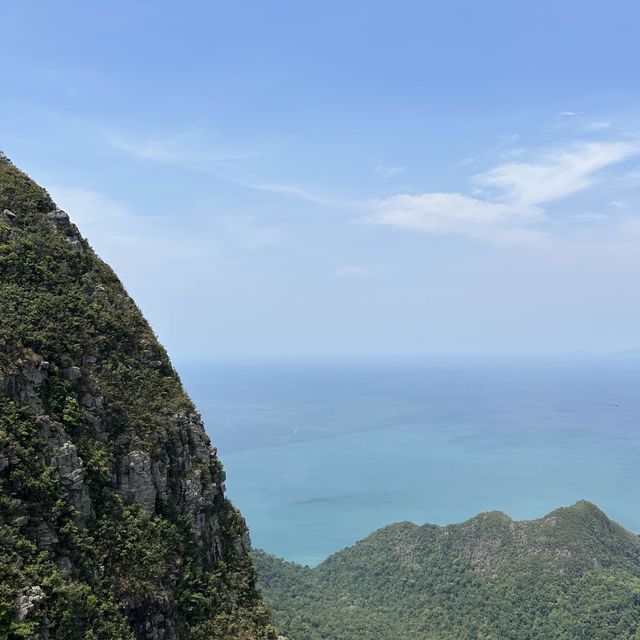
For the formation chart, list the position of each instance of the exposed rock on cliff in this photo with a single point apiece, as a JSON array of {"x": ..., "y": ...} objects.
[{"x": 113, "y": 520}]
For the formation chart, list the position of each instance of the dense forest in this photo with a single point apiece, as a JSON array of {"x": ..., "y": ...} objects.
[{"x": 573, "y": 574}]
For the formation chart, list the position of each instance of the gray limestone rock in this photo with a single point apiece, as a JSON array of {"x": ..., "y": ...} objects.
[
  {"x": 58, "y": 216},
  {"x": 30, "y": 601},
  {"x": 8, "y": 217},
  {"x": 71, "y": 373},
  {"x": 72, "y": 473},
  {"x": 45, "y": 536},
  {"x": 25, "y": 383},
  {"x": 136, "y": 480}
]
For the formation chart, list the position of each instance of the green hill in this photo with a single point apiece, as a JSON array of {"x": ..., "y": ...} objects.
[
  {"x": 113, "y": 519},
  {"x": 573, "y": 574}
]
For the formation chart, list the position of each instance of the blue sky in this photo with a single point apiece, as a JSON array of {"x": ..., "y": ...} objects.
[{"x": 357, "y": 177}]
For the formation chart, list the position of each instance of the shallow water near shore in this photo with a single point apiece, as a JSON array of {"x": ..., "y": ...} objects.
[{"x": 321, "y": 453}]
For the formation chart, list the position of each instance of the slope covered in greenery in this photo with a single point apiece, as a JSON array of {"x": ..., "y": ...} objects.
[
  {"x": 571, "y": 575},
  {"x": 113, "y": 519}
]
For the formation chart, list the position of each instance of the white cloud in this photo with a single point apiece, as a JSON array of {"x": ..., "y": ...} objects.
[
  {"x": 507, "y": 206},
  {"x": 449, "y": 213},
  {"x": 555, "y": 175}
]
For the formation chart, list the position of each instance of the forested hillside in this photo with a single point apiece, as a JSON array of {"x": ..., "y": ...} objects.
[
  {"x": 113, "y": 519},
  {"x": 573, "y": 574}
]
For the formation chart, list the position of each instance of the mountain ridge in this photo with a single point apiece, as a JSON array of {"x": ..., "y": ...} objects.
[{"x": 487, "y": 577}]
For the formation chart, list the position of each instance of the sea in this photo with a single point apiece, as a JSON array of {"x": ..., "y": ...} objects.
[{"x": 320, "y": 453}]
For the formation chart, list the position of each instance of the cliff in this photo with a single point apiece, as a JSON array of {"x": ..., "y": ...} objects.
[{"x": 113, "y": 518}]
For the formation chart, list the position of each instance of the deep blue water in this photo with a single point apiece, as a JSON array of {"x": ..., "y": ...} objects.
[{"x": 320, "y": 454}]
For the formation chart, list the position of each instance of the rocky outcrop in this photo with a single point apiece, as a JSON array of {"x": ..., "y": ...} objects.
[
  {"x": 72, "y": 477},
  {"x": 24, "y": 384},
  {"x": 31, "y": 599},
  {"x": 8, "y": 217}
]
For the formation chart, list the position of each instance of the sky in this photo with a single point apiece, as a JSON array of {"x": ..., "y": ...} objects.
[{"x": 344, "y": 178}]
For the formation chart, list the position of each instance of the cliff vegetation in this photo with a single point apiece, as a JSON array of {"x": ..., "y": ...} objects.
[{"x": 113, "y": 520}]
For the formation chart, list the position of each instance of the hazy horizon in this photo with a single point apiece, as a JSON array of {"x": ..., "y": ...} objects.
[
  {"x": 321, "y": 454},
  {"x": 182, "y": 359}
]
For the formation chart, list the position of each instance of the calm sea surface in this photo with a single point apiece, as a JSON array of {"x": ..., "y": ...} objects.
[{"x": 319, "y": 454}]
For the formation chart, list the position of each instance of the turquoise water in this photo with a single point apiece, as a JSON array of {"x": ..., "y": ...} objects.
[{"x": 319, "y": 454}]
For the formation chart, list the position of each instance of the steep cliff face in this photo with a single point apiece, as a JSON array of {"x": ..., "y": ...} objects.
[{"x": 113, "y": 519}]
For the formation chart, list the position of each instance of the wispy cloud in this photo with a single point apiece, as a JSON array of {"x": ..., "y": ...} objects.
[
  {"x": 508, "y": 205},
  {"x": 570, "y": 114},
  {"x": 555, "y": 174},
  {"x": 188, "y": 151},
  {"x": 599, "y": 125},
  {"x": 292, "y": 191},
  {"x": 390, "y": 171},
  {"x": 183, "y": 149},
  {"x": 449, "y": 213},
  {"x": 354, "y": 270},
  {"x": 247, "y": 232}
]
